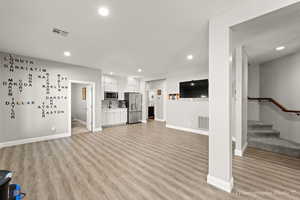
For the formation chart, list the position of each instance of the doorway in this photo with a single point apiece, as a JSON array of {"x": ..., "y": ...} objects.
[
  {"x": 81, "y": 107},
  {"x": 156, "y": 99}
]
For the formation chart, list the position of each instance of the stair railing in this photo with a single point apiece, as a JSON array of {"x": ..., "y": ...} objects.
[{"x": 271, "y": 100}]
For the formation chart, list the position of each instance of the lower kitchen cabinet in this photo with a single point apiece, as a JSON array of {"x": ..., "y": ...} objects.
[{"x": 114, "y": 116}]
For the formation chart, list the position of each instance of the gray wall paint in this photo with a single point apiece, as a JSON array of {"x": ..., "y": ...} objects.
[
  {"x": 253, "y": 91},
  {"x": 279, "y": 79},
  {"x": 79, "y": 106},
  {"x": 29, "y": 122},
  {"x": 184, "y": 113}
]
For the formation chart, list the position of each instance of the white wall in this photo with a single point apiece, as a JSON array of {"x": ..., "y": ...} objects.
[
  {"x": 253, "y": 91},
  {"x": 184, "y": 113},
  {"x": 79, "y": 106},
  {"x": 280, "y": 80},
  {"x": 220, "y": 144},
  {"x": 29, "y": 122}
]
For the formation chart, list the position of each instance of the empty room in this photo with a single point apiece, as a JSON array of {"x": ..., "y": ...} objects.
[{"x": 149, "y": 100}]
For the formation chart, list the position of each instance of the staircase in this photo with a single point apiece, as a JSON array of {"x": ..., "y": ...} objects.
[{"x": 263, "y": 136}]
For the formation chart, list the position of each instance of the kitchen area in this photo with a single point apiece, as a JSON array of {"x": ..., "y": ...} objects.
[{"x": 121, "y": 101}]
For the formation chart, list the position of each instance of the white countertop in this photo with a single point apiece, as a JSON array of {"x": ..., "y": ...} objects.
[{"x": 114, "y": 109}]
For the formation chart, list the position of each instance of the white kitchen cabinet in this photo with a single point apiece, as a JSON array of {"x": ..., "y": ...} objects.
[
  {"x": 123, "y": 116},
  {"x": 110, "y": 83},
  {"x": 120, "y": 84},
  {"x": 133, "y": 85},
  {"x": 112, "y": 117}
]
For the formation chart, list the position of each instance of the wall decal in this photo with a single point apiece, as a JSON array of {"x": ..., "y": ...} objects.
[{"x": 24, "y": 79}]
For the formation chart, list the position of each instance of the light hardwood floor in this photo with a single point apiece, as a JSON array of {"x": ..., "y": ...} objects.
[
  {"x": 143, "y": 161},
  {"x": 78, "y": 127}
]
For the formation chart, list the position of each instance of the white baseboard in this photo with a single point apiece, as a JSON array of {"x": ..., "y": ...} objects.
[
  {"x": 97, "y": 129},
  {"x": 239, "y": 152},
  {"x": 196, "y": 131},
  {"x": 31, "y": 140},
  {"x": 220, "y": 184},
  {"x": 160, "y": 120}
]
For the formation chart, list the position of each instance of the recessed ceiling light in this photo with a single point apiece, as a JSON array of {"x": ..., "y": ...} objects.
[
  {"x": 280, "y": 48},
  {"x": 139, "y": 70},
  {"x": 111, "y": 73},
  {"x": 103, "y": 11},
  {"x": 67, "y": 53},
  {"x": 190, "y": 57}
]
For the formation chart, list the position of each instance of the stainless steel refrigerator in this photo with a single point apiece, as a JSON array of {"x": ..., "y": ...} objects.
[{"x": 134, "y": 107}]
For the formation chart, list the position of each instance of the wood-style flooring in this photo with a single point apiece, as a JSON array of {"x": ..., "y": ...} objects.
[
  {"x": 143, "y": 162},
  {"x": 78, "y": 127}
]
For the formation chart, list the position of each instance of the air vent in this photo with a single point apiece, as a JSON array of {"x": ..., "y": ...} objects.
[
  {"x": 203, "y": 122},
  {"x": 60, "y": 32}
]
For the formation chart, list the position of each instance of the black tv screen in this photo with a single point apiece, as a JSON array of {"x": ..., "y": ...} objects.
[{"x": 194, "y": 89}]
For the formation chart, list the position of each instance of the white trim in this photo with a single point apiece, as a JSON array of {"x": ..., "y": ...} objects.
[
  {"x": 239, "y": 152},
  {"x": 97, "y": 129},
  {"x": 31, "y": 140},
  {"x": 160, "y": 120},
  {"x": 196, "y": 131},
  {"x": 93, "y": 85},
  {"x": 144, "y": 121},
  {"x": 221, "y": 184}
]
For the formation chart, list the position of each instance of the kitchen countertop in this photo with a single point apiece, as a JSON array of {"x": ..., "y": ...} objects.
[{"x": 114, "y": 109}]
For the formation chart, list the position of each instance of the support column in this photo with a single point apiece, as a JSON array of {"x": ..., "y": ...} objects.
[
  {"x": 238, "y": 101},
  {"x": 220, "y": 142},
  {"x": 241, "y": 123},
  {"x": 144, "y": 100}
]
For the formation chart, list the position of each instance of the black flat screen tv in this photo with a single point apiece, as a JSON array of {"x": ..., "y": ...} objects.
[{"x": 194, "y": 89}]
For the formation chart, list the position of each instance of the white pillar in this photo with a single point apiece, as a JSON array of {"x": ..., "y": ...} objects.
[
  {"x": 241, "y": 122},
  {"x": 245, "y": 101},
  {"x": 144, "y": 100},
  {"x": 238, "y": 101},
  {"x": 220, "y": 91}
]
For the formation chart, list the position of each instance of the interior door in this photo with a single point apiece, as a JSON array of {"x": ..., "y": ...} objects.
[{"x": 89, "y": 107}]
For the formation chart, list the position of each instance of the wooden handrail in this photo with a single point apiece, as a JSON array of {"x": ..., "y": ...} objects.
[{"x": 297, "y": 112}]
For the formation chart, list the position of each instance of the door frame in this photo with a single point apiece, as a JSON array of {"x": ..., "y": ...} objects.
[{"x": 93, "y": 85}]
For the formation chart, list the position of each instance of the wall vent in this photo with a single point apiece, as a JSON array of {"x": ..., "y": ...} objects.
[
  {"x": 60, "y": 32},
  {"x": 203, "y": 122}
]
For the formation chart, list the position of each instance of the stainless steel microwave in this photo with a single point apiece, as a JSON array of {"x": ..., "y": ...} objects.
[{"x": 111, "y": 95}]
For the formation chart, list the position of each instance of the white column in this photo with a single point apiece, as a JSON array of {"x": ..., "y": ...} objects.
[
  {"x": 241, "y": 123},
  {"x": 245, "y": 101},
  {"x": 220, "y": 91},
  {"x": 239, "y": 100},
  {"x": 144, "y": 100}
]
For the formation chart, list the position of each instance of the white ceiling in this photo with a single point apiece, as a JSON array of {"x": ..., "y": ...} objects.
[
  {"x": 155, "y": 35},
  {"x": 262, "y": 35}
]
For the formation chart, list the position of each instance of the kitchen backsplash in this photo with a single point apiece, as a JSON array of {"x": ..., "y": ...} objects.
[{"x": 113, "y": 104}]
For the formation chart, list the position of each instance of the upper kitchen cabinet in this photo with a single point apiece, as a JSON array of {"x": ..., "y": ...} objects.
[
  {"x": 120, "y": 84},
  {"x": 110, "y": 83},
  {"x": 133, "y": 85}
]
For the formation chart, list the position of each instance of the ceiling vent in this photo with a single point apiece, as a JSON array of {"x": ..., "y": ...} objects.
[{"x": 60, "y": 32}]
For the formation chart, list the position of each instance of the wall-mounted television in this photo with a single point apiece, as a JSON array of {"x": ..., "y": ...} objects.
[{"x": 194, "y": 89}]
